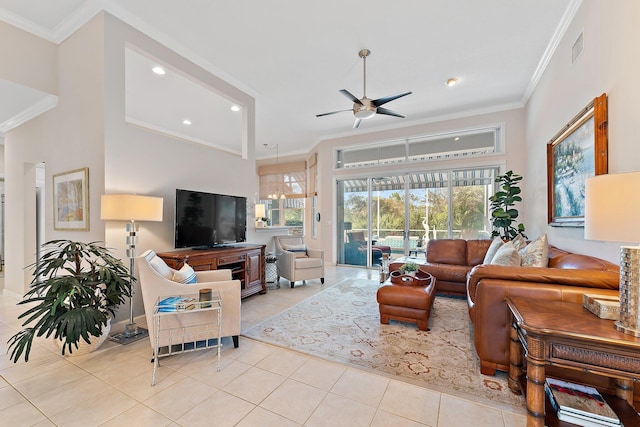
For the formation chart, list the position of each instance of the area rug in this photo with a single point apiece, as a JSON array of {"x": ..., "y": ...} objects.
[{"x": 342, "y": 324}]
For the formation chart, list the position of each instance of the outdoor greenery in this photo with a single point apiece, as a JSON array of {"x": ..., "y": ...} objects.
[
  {"x": 503, "y": 215},
  {"x": 468, "y": 210},
  {"x": 75, "y": 287}
]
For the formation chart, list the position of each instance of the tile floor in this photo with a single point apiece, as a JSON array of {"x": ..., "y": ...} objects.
[{"x": 259, "y": 384}]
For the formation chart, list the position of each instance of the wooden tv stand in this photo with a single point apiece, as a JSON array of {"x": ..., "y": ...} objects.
[{"x": 245, "y": 261}]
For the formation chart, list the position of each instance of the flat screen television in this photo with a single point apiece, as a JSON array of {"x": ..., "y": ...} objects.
[{"x": 205, "y": 220}]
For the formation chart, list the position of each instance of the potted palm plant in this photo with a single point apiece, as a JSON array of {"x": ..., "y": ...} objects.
[{"x": 75, "y": 290}]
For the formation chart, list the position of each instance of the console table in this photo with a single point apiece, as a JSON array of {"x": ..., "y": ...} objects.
[
  {"x": 567, "y": 335},
  {"x": 246, "y": 262}
]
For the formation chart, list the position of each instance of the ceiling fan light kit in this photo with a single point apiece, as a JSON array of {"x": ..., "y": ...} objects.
[{"x": 365, "y": 108}]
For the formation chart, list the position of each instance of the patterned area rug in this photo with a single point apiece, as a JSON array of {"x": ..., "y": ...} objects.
[{"x": 342, "y": 324}]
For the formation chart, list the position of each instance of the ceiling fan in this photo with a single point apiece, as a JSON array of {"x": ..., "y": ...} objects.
[{"x": 366, "y": 108}]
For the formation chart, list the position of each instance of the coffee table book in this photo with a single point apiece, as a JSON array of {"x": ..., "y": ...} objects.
[{"x": 580, "y": 404}]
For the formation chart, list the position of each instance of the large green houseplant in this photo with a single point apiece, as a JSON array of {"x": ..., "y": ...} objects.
[
  {"x": 503, "y": 214},
  {"x": 76, "y": 286}
]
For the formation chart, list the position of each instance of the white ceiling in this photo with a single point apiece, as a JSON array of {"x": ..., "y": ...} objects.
[{"x": 293, "y": 56}]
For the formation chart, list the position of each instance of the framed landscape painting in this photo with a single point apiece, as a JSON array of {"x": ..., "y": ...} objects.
[
  {"x": 577, "y": 152},
  {"x": 71, "y": 200}
]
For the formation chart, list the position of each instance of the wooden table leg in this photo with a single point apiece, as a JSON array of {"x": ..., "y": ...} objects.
[
  {"x": 624, "y": 389},
  {"x": 515, "y": 360},
  {"x": 535, "y": 383}
]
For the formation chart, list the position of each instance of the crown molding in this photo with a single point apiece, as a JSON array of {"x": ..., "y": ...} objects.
[{"x": 42, "y": 106}]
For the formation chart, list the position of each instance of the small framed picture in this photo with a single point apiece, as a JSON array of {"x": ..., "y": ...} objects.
[{"x": 71, "y": 200}]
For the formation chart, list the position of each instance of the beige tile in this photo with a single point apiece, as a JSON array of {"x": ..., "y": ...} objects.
[
  {"x": 69, "y": 395},
  {"x": 21, "y": 414},
  {"x": 95, "y": 411},
  {"x": 36, "y": 366},
  {"x": 230, "y": 371},
  {"x": 385, "y": 419},
  {"x": 179, "y": 398},
  {"x": 456, "y": 412},
  {"x": 361, "y": 386},
  {"x": 51, "y": 379},
  {"x": 412, "y": 402},
  {"x": 294, "y": 400},
  {"x": 260, "y": 417},
  {"x": 139, "y": 416},
  {"x": 132, "y": 367},
  {"x": 221, "y": 409},
  {"x": 337, "y": 411},
  {"x": 514, "y": 420},
  {"x": 9, "y": 397},
  {"x": 254, "y": 385},
  {"x": 319, "y": 373},
  {"x": 283, "y": 362},
  {"x": 252, "y": 352},
  {"x": 140, "y": 388}
]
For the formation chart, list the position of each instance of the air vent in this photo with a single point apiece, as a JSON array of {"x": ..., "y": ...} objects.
[{"x": 576, "y": 49}]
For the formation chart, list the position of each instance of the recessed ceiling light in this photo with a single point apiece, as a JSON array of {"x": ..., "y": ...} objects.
[
  {"x": 457, "y": 138},
  {"x": 235, "y": 108},
  {"x": 451, "y": 82},
  {"x": 186, "y": 122},
  {"x": 158, "y": 70}
]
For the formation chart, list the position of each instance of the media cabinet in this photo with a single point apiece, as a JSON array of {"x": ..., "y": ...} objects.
[{"x": 246, "y": 263}]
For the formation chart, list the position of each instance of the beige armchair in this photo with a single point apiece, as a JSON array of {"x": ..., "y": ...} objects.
[
  {"x": 155, "y": 281},
  {"x": 296, "y": 261}
]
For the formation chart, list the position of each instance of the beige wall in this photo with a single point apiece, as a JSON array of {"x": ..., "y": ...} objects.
[{"x": 609, "y": 63}]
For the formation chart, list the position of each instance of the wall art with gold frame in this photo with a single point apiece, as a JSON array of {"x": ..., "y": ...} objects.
[
  {"x": 574, "y": 154},
  {"x": 71, "y": 200}
]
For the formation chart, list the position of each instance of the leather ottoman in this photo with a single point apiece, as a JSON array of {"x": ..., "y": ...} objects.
[{"x": 407, "y": 303}]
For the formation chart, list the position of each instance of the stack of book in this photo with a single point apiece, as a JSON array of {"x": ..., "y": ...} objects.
[
  {"x": 177, "y": 304},
  {"x": 580, "y": 404}
]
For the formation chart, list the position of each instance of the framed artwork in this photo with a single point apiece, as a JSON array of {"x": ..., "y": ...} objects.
[
  {"x": 71, "y": 200},
  {"x": 574, "y": 154}
]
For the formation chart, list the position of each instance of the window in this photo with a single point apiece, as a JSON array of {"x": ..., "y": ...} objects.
[
  {"x": 284, "y": 212},
  {"x": 471, "y": 143}
]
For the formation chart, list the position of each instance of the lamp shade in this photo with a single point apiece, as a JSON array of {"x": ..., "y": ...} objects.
[
  {"x": 260, "y": 210},
  {"x": 612, "y": 207},
  {"x": 130, "y": 207}
]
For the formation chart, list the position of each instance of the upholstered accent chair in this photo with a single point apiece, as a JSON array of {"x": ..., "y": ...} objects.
[
  {"x": 296, "y": 261},
  {"x": 157, "y": 279}
]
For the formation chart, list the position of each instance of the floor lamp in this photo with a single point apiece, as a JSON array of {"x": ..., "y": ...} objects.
[
  {"x": 612, "y": 213},
  {"x": 131, "y": 208}
]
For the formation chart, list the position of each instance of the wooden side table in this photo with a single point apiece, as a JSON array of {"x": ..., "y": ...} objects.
[{"x": 567, "y": 335}]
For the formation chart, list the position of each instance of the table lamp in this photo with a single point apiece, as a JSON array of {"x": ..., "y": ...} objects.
[
  {"x": 260, "y": 213},
  {"x": 131, "y": 208},
  {"x": 612, "y": 213}
]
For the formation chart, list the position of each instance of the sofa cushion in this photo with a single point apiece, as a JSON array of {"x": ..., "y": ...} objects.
[
  {"x": 506, "y": 255},
  {"x": 493, "y": 248},
  {"x": 519, "y": 242},
  {"x": 300, "y": 250},
  {"x": 476, "y": 251},
  {"x": 447, "y": 251},
  {"x": 185, "y": 275},
  {"x": 302, "y": 263},
  {"x": 536, "y": 253},
  {"x": 161, "y": 267}
]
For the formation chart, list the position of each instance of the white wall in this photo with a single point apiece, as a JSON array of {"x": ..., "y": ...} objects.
[{"x": 609, "y": 63}]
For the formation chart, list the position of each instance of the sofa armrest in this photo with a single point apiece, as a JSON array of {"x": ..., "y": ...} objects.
[
  {"x": 315, "y": 253},
  {"x": 558, "y": 276}
]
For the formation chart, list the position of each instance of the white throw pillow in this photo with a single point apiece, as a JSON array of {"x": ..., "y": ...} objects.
[
  {"x": 506, "y": 255},
  {"x": 185, "y": 275},
  {"x": 536, "y": 253},
  {"x": 519, "y": 242},
  {"x": 493, "y": 248}
]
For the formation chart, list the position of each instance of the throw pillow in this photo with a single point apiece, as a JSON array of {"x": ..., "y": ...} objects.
[
  {"x": 185, "y": 275},
  {"x": 299, "y": 250},
  {"x": 536, "y": 253},
  {"x": 493, "y": 248},
  {"x": 519, "y": 242},
  {"x": 506, "y": 255}
]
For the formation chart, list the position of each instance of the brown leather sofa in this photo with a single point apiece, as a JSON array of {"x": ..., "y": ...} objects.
[
  {"x": 457, "y": 266},
  {"x": 567, "y": 277}
]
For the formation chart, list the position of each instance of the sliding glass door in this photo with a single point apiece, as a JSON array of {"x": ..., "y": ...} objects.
[{"x": 399, "y": 214}]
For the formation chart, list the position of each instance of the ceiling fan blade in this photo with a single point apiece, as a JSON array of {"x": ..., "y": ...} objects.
[
  {"x": 380, "y": 101},
  {"x": 356, "y": 123},
  {"x": 386, "y": 112},
  {"x": 332, "y": 112},
  {"x": 350, "y": 96}
]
